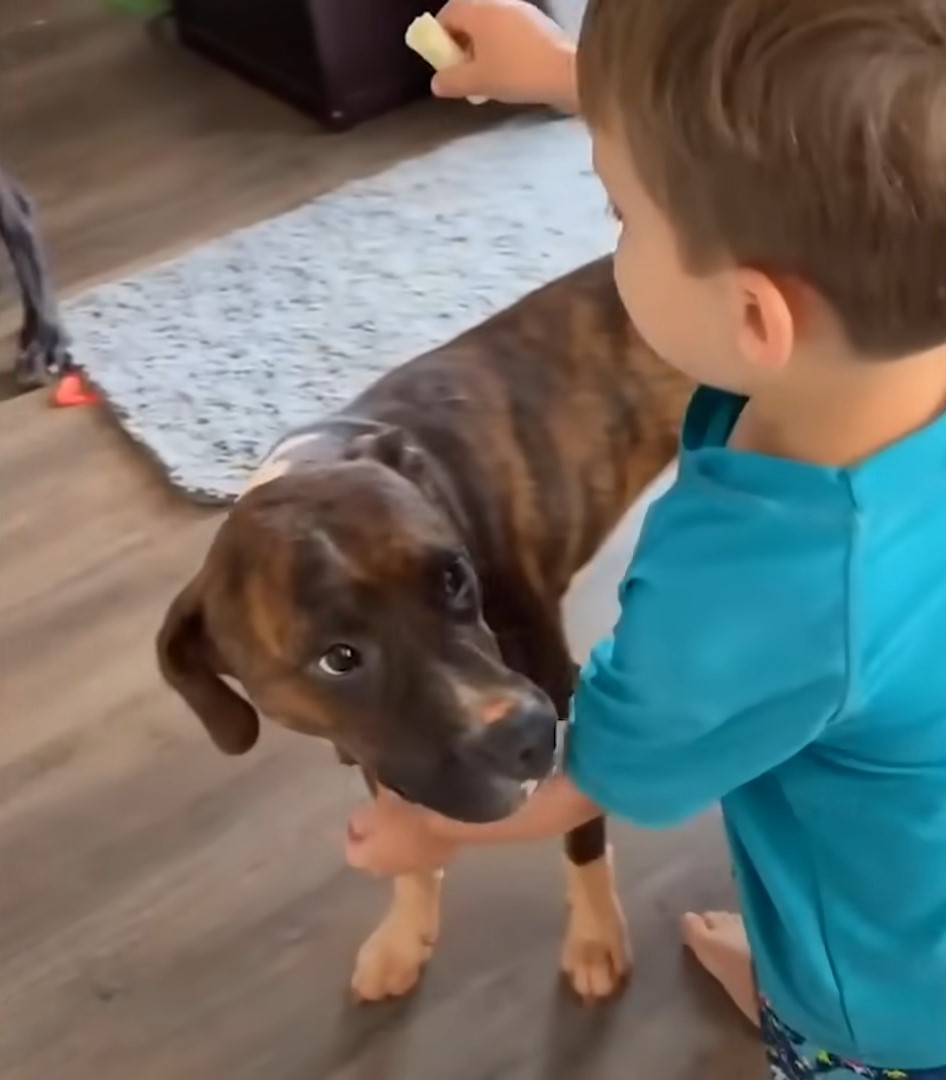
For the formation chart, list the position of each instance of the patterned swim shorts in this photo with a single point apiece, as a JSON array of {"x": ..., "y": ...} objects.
[{"x": 792, "y": 1057}]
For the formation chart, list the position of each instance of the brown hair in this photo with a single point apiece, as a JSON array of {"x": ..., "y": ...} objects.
[{"x": 803, "y": 137}]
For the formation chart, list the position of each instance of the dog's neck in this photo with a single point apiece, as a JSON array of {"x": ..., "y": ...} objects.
[
  {"x": 331, "y": 440},
  {"x": 309, "y": 447}
]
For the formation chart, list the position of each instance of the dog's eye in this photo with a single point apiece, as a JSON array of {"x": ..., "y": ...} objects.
[
  {"x": 459, "y": 586},
  {"x": 339, "y": 660}
]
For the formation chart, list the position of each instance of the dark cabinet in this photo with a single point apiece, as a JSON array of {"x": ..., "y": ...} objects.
[{"x": 340, "y": 60}]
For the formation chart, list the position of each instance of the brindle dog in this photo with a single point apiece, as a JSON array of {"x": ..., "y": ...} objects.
[{"x": 391, "y": 581}]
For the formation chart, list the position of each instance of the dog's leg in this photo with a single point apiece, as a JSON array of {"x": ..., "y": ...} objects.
[
  {"x": 43, "y": 344},
  {"x": 596, "y": 955},
  {"x": 391, "y": 961}
]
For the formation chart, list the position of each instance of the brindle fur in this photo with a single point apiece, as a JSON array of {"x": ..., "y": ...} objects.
[
  {"x": 550, "y": 419},
  {"x": 527, "y": 437}
]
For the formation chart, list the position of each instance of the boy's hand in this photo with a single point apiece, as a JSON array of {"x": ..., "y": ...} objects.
[
  {"x": 390, "y": 836},
  {"x": 517, "y": 55}
]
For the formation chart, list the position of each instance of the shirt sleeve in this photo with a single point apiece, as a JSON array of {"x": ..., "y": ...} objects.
[{"x": 729, "y": 657}]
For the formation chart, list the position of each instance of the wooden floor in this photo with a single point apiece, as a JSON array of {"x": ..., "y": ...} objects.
[{"x": 165, "y": 913}]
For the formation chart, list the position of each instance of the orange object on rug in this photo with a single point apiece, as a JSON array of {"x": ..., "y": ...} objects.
[{"x": 72, "y": 390}]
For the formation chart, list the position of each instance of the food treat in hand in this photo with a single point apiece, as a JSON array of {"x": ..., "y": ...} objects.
[{"x": 430, "y": 40}]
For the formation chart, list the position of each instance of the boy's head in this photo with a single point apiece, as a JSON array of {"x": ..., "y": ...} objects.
[{"x": 780, "y": 170}]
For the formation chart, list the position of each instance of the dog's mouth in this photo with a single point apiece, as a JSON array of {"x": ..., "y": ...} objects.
[
  {"x": 462, "y": 788},
  {"x": 529, "y": 788}
]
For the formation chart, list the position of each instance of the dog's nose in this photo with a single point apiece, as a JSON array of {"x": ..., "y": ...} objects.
[{"x": 522, "y": 744}]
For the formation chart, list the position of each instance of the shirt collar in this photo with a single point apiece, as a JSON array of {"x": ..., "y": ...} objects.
[{"x": 906, "y": 469}]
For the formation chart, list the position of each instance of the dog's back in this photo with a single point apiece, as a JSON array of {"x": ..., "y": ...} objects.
[{"x": 550, "y": 419}]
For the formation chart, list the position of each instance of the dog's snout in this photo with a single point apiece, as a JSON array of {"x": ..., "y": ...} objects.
[{"x": 522, "y": 744}]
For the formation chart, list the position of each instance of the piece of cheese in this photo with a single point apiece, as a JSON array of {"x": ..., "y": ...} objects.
[{"x": 431, "y": 41}]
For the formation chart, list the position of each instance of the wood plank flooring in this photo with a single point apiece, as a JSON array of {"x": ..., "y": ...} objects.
[{"x": 165, "y": 913}]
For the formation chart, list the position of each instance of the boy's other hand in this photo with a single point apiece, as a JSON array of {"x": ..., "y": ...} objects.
[{"x": 517, "y": 55}]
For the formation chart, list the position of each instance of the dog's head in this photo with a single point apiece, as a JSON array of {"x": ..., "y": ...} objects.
[{"x": 346, "y": 606}]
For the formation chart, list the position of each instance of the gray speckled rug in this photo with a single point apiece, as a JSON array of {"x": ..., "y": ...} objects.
[{"x": 208, "y": 359}]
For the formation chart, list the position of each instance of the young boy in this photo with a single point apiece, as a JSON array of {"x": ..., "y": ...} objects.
[{"x": 779, "y": 171}]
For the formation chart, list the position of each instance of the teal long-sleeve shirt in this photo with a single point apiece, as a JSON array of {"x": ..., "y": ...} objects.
[{"x": 781, "y": 648}]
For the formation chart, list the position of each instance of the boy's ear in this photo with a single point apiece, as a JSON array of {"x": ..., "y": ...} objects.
[{"x": 766, "y": 322}]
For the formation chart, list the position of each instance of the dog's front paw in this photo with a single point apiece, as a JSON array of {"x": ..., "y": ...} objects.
[
  {"x": 391, "y": 961},
  {"x": 596, "y": 964},
  {"x": 596, "y": 956}
]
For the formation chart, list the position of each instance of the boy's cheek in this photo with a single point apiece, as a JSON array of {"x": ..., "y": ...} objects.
[{"x": 642, "y": 295}]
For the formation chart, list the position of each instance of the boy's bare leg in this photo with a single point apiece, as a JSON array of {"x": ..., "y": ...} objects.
[{"x": 718, "y": 940}]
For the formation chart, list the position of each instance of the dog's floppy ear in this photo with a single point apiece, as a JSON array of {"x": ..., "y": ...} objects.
[{"x": 191, "y": 666}]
